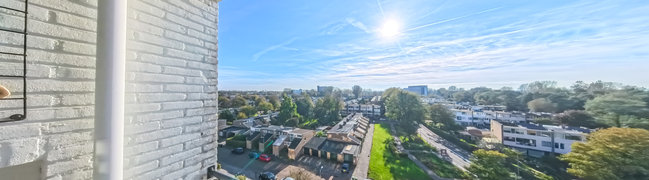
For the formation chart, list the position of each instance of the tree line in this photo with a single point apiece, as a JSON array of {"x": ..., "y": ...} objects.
[{"x": 595, "y": 104}]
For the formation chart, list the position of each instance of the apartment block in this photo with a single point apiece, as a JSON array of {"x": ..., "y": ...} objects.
[
  {"x": 482, "y": 118},
  {"x": 369, "y": 110},
  {"x": 538, "y": 140}
]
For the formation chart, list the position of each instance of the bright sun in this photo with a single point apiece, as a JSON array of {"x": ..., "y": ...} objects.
[{"x": 390, "y": 28}]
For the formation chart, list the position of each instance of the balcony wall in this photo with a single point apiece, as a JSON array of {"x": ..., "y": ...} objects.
[{"x": 171, "y": 88}]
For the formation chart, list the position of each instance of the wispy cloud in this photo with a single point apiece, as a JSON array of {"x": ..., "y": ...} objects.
[
  {"x": 357, "y": 24},
  {"x": 257, "y": 55},
  {"x": 452, "y": 19}
]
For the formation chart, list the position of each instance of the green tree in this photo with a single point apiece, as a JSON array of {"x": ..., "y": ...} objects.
[
  {"x": 511, "y": 99},
  {"x": 327, "y": 110},
  {"x": 443, "y": 117},
  {"x": 227, "y": 115},
  {"x": 403, "y": 106},
  {"x": 576, "y": 118},
  {"x": 239, "y": 101},
  {"x": 305, "y": 106},
  {"x": 287, "y": 110},
  {"x": 489, "y": 165},
  {"x": 624, "y": 108},
  {"x": 541, "y": 105},
  {"x": 462, "y": 96},
  {"x": 248, "y": 110},
  {"x": 356, "y": 89},
  {"x": 611, "y": 154},
  {"x": 264, "y": 106}
]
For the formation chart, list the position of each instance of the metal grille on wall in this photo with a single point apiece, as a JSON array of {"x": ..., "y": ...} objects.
[{"x": 14, "y": 53}]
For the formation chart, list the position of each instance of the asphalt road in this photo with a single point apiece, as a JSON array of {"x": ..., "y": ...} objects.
[{"x": 459, "y": 157}]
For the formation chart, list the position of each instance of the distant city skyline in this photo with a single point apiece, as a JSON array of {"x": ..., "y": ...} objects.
[{"x": 294, "y": 44}]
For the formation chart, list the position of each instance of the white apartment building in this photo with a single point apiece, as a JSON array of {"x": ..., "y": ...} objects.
[
  {"x": 538, "y": 140},
  {"x": 368, "y": 110},
  {"x": 478, "y": 118}
]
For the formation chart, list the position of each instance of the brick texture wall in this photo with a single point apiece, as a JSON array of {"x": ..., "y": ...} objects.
[{"x": 171, "y": 88}]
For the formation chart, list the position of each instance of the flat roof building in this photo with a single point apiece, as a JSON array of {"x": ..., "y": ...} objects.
[
  {"x": 420, "y": 90},
  {"x": 538, "y": 140}
]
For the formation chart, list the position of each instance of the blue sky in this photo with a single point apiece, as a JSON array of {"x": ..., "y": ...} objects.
[{"x": 271, "y": 45}]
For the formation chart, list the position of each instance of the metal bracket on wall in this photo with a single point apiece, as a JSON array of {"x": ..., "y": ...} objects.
[{"x": 18, "y": 117}]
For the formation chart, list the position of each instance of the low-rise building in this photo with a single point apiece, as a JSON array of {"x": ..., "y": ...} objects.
[
  {"x": 369, "y": 110},
  {"x": 343, "y": 141},
  {"x": 538, "y": 140},
  {"x": 277, "y": 138}
]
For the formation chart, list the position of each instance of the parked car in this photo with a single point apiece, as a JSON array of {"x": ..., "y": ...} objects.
[
  {"x": 267, "y": 176},
  {"x": 345, "y": 168},
  {"x": 238, "y": 150},
  {"x": 264, "y": 157},
  {"x": 253, "y": 155}
]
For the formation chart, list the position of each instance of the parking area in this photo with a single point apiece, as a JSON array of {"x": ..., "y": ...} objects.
[{"x": 315, "y": 167}]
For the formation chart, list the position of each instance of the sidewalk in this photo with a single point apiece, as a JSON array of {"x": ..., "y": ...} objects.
[{"x": 363, "y": 164}]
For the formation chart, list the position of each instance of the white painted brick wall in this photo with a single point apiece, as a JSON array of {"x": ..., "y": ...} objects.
[{"x": 171, "y": 85}]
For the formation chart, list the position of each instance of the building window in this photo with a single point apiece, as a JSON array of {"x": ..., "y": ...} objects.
[
  {"x": 561, "y": 145},
  {"x": 573, "y": 137},
  {"x": 533, "y": 133},
  {"x": 546, "y": 134},
  {"x": 459, "y": 118},
  {"x": 509, "y": 138},
  {"x": 546, "y": 144}
]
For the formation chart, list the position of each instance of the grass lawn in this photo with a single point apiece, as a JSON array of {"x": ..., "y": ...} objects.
[{"x": 386, "y": 164}]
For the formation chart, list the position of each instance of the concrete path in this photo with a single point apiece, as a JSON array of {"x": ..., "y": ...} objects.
[{"x": 363, "y": 164}]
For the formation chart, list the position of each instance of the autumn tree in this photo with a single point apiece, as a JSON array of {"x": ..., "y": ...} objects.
[
  {"x": 542, "y": 105},
  {"x": 239, "y": 101},
  {"x": 241, "y": 115},
  {"x": 224, "y": 102},
  {"x": 264, "y": 106},
  {"x": 274, "y": 99},
  {"x": 611, "y": 154},
  {"x": 248, "y": 110}
]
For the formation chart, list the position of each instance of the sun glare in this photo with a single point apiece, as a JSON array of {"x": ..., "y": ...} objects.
[{"x": 389, "y": 29}]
